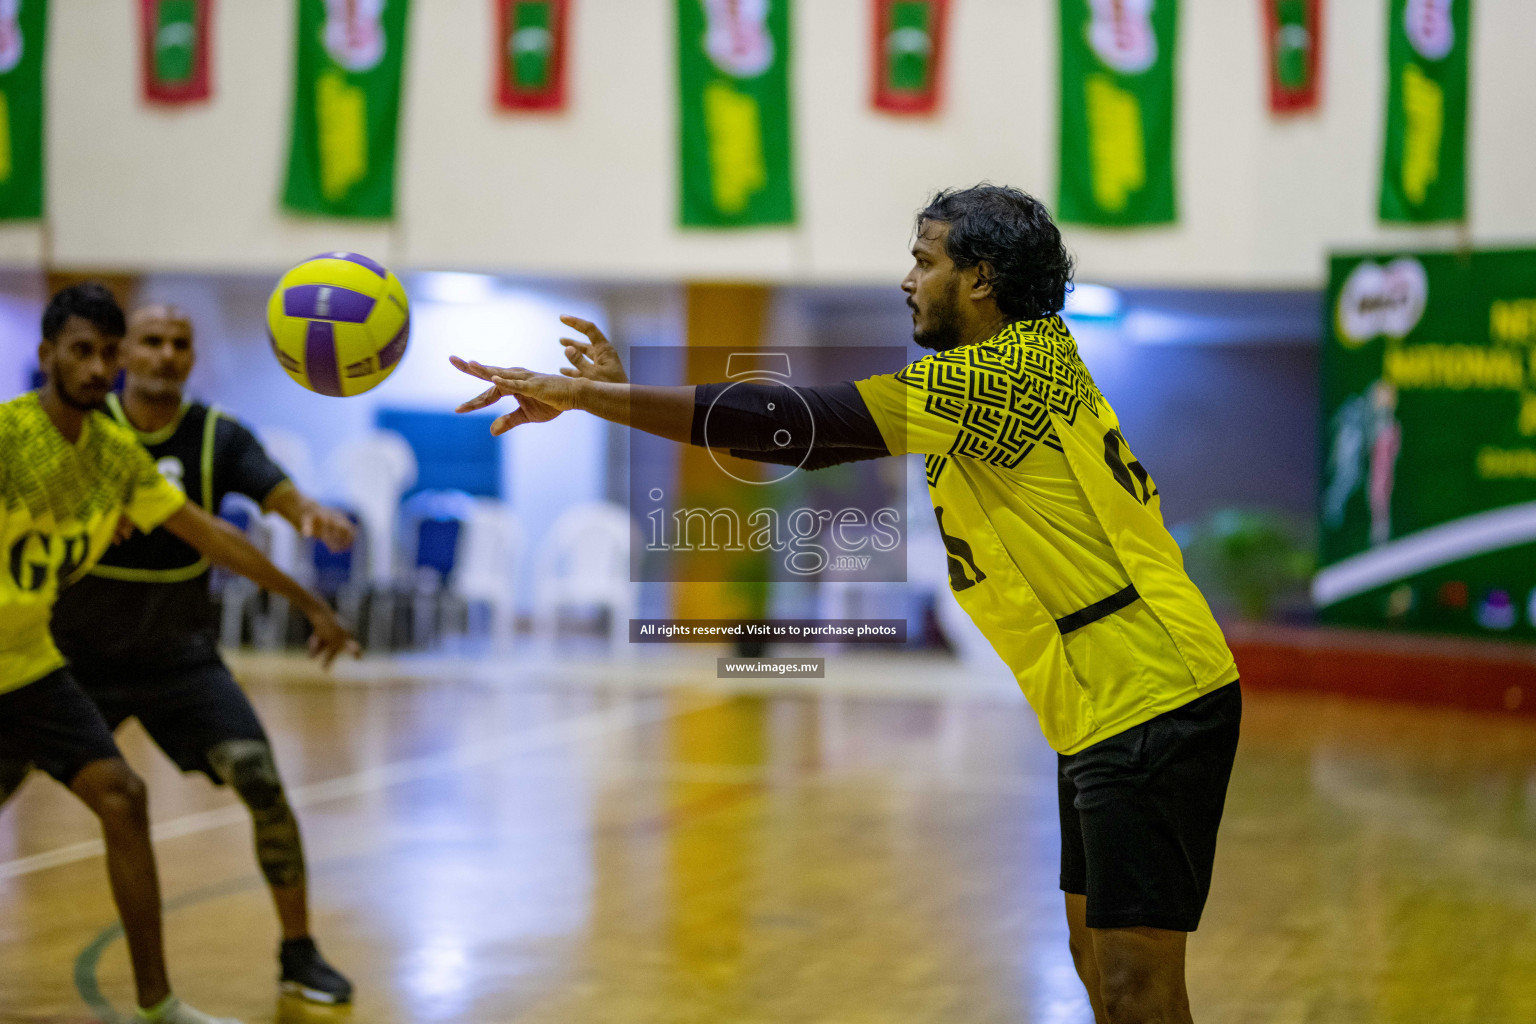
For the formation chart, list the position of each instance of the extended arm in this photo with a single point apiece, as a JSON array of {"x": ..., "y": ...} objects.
[
  {"x": 244, "y": 466},
  {"x": 224, "y": 545},
  {"x": 330, "y": 526},
  {"x": 812, "y": 427}
]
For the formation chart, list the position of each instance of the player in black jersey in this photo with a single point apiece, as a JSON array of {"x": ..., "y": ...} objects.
[{"x": 140, "y": 629}]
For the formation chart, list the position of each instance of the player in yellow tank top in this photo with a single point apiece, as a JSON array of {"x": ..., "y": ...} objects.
[{"x": 1056, "y": 548}]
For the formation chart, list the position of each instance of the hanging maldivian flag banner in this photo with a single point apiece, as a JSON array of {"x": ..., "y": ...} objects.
[
  {"x": 908, "y": 54},
  {"x": 174, "y": 49},
  {"x": 23, "y": 25},
  {"x": 531, "y": 49},
  {"x": 1424, "y": 164},
  {"x": 1117, "y": 111},
  {"x": 346, "y": 107},
  {"x": 1295, "y": 31},
  {"x": 733, "y": 90}
]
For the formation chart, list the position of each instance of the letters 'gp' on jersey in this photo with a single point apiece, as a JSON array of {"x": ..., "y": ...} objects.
[
  {"x": 1045, "y": 512},
  {"x": 59, "y": 508}
]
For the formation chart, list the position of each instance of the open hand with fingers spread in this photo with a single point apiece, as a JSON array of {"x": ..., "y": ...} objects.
[
  {"x": 593, "y": 359},
  {"x": 542, "y": 396}
]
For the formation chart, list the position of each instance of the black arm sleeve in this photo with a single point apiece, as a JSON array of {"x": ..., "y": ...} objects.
[
  {"x": 781, "y": 420},
  {"x": 243, "y": 464},
  {"x": 820, "y": 458}
]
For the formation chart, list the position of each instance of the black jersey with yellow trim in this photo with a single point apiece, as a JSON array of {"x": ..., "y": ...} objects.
[{"x": 147, "y": 600}]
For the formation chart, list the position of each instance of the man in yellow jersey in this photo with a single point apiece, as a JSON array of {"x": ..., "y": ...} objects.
[
  {"x": 68, "y": 477},
  {"x": 140, "y": 629},
  {"x": 1056, "y": 548}
]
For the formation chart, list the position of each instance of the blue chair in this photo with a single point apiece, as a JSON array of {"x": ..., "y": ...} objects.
[
  {"x": 237, "y": 596},
  {"x": 433, "y": 528}
]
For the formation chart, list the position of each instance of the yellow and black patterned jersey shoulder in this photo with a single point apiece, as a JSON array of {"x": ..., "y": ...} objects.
[
  {"x": 43, "y": 475},
  {"x": 1001, "y": 392}
]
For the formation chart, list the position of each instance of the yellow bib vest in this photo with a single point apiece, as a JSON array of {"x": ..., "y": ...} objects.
[{"x": 1057, "y": 548}]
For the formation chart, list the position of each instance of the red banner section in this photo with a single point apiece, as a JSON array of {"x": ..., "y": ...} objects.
[
  {"x": 174, "y": 40},
  {"x": 531, "y": 44},
  {"x": 908, "y": 55},
  {"x": 1294, "y": 32}
]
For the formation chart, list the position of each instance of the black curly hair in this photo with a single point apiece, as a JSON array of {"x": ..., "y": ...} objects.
[
  {"x": 91, "y": 302},
  {"x": 1012, "y": 232}
]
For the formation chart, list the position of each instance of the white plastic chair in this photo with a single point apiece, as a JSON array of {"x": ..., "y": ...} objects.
[
  {"x": 369, "y": 473},
  {"x": 490, "y": 553},
  {"x": 584, "y": 562},
  {"x": 372, "y": 472},
  {"x": 236, "y": 593},
  {"x": 286, "y": 550},
  {"x": 433, "y": 601}
]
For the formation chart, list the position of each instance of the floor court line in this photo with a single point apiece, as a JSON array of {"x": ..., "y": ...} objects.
[
  {"x": 567, "y": 730},
  {"x": 89, "y": 957}
]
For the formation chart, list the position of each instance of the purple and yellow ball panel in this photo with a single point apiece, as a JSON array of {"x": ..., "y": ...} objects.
[
  {"x": 327, "y": 302},
  {"x": 390, "y": 354},
  {"x": 352, "y": 257},
  {"x": 337, "y": 273},
  {"x": 338, "y": 323},
  {"x": 320, "y": 363}
]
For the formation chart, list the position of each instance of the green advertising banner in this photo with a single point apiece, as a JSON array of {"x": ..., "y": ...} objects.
[
  {"x": 733, "y": 90},
  {"x": 1428, "y": 436},
  {"x": 23, "y": 30},
  {"x": 346, "y": 108},
  {"x": 1424, "y": 161},
  {"x": 1117, "y": 111}
]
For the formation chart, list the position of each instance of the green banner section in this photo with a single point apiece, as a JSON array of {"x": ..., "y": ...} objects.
[
  {"x": 1117, "y": 111},
  {"x": 733, "y": 92},
  {"x": 346, "y": 108},
  {"x": 1424, "y": 162},
  {"x": 175, "y": 41},
  {"x": 1428, "y": 437},
  {"x": 23, "y": 31}
]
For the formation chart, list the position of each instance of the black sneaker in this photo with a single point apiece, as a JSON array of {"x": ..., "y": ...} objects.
[{"x": 308, "y": 976}]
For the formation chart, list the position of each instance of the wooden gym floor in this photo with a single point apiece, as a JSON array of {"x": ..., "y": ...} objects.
[{"x": 638, "y": 844}]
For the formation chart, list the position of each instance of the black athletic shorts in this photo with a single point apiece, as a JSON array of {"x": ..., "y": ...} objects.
[
  {"x": 53, "y": 725},
  {"x": 1139, "y": 813},
  {"x": 187, "y": 709}
]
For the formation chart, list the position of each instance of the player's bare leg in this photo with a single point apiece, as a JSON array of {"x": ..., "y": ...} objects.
[
  {"x": 116, "y": 795},
  {"x": 1141, "y": 975},
  {"x": 248, "y": 767},
  {"x": 1080, "y": 942}
]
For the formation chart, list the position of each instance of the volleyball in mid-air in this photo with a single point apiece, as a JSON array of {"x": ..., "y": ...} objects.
[{"x": 338, "y": 323}]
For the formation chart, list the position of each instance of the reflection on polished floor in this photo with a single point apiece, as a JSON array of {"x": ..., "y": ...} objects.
[{"x": 640, "y": 844}]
